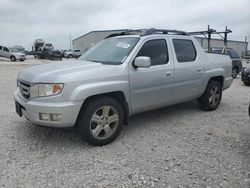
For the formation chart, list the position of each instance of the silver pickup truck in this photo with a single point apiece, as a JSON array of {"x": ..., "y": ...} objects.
[{"x": 120, "y": 76}]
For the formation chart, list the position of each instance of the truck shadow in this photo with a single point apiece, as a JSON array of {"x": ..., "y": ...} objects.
[{"x": 67, "y": 138}]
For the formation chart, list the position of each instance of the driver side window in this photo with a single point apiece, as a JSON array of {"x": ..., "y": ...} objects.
[{"x": 156, "y": 50}]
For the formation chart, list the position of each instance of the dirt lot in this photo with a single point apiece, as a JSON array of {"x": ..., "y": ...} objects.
[{"x": 177, "y": 146}]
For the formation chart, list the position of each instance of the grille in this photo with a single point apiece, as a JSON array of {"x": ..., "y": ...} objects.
[{"x": 24, "y": 89}]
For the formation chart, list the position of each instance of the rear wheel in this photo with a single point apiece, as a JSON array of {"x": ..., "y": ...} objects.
[
  {"x": 12, "y": 58},
  {"x": 211, "y": 98},
  {"x": 100, "y": 121},
  {"x": 235, "y": 72},
  {"x": 70, "y": 56}
]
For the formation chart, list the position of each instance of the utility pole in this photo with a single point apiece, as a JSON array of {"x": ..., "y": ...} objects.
[{"x": 70, "y": 42}]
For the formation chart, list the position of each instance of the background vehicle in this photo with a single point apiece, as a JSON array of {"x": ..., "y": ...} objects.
[
  {"x": 245, "y": 76},
  {"x": 247, "y": 54},
  {"x": 45, "y": 50},
  {"x": 73, "y": 53},
  {"x": 12, "y": 54},
  {"x": 236, "y": 61},
  {"x": 134, "y": 72},
  {"x": 55, "y": 54}
]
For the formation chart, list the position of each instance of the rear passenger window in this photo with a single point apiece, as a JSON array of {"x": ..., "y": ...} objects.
[
  {"x": 1, "y": 47},
  {"x": 184, "y": 50},
  {"x": 5, "y": 49},
  {"x": 156, "y": 50}
]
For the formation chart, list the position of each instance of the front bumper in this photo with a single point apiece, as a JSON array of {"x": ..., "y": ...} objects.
[
  {"x": 227, "y": 83},
  {"x": 30, "y": 109},
  {"x": 21, "y": 58}
]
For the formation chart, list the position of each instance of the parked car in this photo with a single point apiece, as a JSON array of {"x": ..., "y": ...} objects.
[
  {"x": 72, "y": 53},
  {"x": 236, "y": 61},
  {"x": 247, "y": 54},
  {"x": 48, "y": 46},
  {"x": 118, "y": 77},
  {"x": 245, "y": 76},
  {"x": 12, "y": 54},
  {"x": 55, "y": 54}
]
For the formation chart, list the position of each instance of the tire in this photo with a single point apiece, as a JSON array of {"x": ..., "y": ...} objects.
[
  {"x": 21, "y": 59},
  {"x": 247, "y": 83},
  {"x": 211, "y": 98},
  {"x": 235, "y": 72},
  {"x": 93, "y": 123},
  {"x": 70, "y": 56},
  {"x": 12, "y": 58}
]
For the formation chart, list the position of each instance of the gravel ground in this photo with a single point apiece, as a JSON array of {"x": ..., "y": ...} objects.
[{"x": 177, "y": 146}]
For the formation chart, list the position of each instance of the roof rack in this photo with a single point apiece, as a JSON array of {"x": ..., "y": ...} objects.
[
  {"x": 145, "y": 32},
  {"x": 209, "y": 32},
  {"x": 163, "y": 31}
]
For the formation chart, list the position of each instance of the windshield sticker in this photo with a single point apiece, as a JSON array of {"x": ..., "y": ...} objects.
[{"x": 122, "y": 45}]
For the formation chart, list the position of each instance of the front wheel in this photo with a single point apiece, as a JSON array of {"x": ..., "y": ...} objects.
[
  {"x": 100, "y": 121},
  {"x": 12, "y": 58},
  {"x": 211, "y": 98}
]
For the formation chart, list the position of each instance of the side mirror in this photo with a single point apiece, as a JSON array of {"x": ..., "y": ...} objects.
[{"x": 142, "y": 62}]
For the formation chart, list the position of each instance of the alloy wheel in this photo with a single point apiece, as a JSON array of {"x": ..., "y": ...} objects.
[
  {"x": 104, "y": 122},
  {"x": 214, "y": 99}
]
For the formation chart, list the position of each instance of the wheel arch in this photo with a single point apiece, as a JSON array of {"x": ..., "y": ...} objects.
[
  {"x": 12, "y": 56},
  {"x": 117, "y": 95},
  {"x": 220, "y": 79}
]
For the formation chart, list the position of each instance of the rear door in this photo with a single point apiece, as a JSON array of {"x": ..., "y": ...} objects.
[
  {"x": 152, "y": 87},
  {"x": 188, "y": 70}
]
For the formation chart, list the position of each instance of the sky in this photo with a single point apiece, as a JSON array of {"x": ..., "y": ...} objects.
[{"x": 54, "y": 21}]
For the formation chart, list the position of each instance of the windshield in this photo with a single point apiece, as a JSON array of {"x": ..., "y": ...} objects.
[
  {"x": 111, "y": 51},
  {"x": 14, "y": 50}
]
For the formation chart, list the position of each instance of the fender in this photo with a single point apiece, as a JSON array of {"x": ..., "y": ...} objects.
[
  {"x": 208, "y": 74},
  {"x": 82, "y": 92}
]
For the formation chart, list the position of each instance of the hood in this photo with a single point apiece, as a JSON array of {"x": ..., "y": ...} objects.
[
  {"x": 68, "y": 71},
  {"x": 18, "y": 53}
]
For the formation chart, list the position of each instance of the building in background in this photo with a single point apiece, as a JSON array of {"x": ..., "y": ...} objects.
[
  {"x": 86, "y": 41},
  {"x": 239, "y": 46}
]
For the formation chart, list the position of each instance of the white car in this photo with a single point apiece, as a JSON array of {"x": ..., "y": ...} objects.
[
  {"x": 11, "y": 53},
  {"x": 73, "y": 53}
]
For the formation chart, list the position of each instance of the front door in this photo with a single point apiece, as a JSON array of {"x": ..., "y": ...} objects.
[{"x": 152, "y": 87}]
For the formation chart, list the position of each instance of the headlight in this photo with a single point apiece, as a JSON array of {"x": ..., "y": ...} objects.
[{"x": 42, "y": 90}]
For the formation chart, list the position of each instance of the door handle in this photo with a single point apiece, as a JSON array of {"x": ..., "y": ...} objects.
[
  {"x": 199, "y": 69},
  {"x": 168, "y": 73}
]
